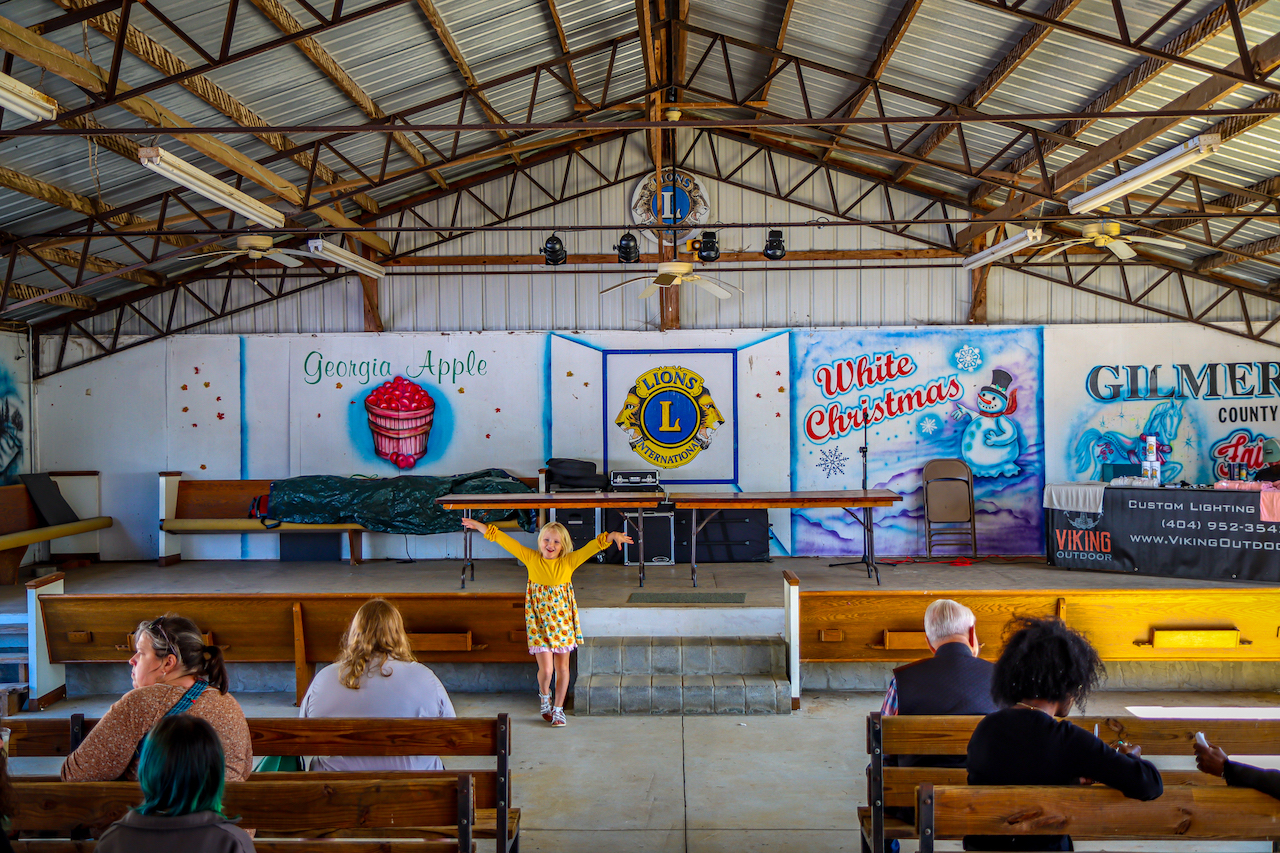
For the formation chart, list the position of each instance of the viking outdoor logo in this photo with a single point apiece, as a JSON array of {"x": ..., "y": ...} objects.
[{"x": 669, "y": 416}]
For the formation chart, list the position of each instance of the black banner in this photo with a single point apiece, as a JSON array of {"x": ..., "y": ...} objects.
[{"x": 1189, "y": 533}]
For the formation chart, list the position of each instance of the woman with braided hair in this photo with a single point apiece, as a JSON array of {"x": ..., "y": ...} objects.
[{"x": 174, "y": 672}]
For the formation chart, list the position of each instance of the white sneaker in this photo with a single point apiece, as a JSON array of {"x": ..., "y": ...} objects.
[
  {"x": 557, "y": 718},
  {"x": 544, "y": 699}
]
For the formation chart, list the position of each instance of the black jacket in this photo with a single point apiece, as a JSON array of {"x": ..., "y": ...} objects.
[{"x": 953, "y": 681}]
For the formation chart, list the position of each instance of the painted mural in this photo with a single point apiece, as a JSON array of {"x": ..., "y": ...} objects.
[
  {"x": 1209, "y": 402},
  {"x": 912, "y": 395},
  {"x": 13, "y": 410}
]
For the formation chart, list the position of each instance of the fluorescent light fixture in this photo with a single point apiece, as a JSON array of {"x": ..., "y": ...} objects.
[
  {"x": 25, "y": 101},
  {"x": 1025, "y": 240},
  {"x": 180, "y": 171},
  {"x": 350, "y": 260},
  {"x": 1191, "y": 151}
]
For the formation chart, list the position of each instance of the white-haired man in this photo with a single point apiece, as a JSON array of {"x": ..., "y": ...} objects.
[{"x": 953, "y": 681}]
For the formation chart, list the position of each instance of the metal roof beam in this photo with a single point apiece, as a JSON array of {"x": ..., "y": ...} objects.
[
  {"x": 166, "y": 62},
  {"x": 284, "y": 21},
  {"x": 89, "y": 76},
  {"x": 1234, "y": 72},
  {"x": 1266, "y": 57},
  {"x": 455, "y": 53},
  {"x": 1007, "y": 64},
  {"x": 1190, "y": 39}
]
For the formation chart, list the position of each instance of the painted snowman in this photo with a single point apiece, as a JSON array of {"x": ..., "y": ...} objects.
[{"x": 991, "y": 442}]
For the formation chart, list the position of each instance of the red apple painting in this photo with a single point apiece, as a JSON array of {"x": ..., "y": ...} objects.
[{"x": 400, "y": 415}]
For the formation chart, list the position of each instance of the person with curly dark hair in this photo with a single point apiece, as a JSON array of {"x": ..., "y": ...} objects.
[{"x": 1046, "y": 668}]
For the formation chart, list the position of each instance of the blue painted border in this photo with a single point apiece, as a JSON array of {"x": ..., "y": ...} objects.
[
  {"x": 547, "y": 414},
  {"x": 244, "y": 441},
  {"x": 604, "y": 400}
]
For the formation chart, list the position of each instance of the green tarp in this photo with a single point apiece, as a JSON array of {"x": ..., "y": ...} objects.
[{"x": 397, "y": 505}]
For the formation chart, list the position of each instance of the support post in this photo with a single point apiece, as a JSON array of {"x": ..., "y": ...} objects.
[
  {"x": 791, "y": 629},
  {"x": 170, "y": 543},
  {"x": 47, "y": 681}
]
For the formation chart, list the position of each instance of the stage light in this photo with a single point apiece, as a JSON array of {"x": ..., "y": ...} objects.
[
  {"x": 181, "y": 172},
  {"x": 708, "y": 248},
  {"x": 554, "y": 251},
  {"x": 774, "y": 248},
  {"x": 628, "y": 249}
]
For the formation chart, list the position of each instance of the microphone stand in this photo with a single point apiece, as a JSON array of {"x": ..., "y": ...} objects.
[{"x": 868, "y": 553}]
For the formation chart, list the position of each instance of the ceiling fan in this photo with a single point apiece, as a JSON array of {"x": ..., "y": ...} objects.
[
  {"x": 1106, "y": 235},
  {"x": 675, "y": 272},
  {"x": 256, "y": 247}
]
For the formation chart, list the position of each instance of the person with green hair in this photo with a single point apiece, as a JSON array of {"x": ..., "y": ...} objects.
[{"x": 182, "y": 773}]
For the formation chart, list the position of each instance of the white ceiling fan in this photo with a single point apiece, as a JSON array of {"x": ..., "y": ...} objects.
[
  {"x": 1106, "y": 235},
  {"x": 256, "y": 247},
  {"x": 675, "y": 272}
]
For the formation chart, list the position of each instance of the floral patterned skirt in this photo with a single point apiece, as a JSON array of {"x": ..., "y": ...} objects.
[{"x": 551, "y": 618}]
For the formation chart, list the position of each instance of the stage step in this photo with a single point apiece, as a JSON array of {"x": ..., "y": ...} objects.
[{"x": 682, "y": 675}]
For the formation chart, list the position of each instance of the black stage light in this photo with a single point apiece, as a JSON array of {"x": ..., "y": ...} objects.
[
  {"x": 628, "y": 249},
  {"x": 774, "y": 248},
  {"x": 708, "y": 248},
  {"x": 554, "y": 251}
]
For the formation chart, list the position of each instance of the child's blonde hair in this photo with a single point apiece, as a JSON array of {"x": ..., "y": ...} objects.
[{"x": 566, "y": 540}]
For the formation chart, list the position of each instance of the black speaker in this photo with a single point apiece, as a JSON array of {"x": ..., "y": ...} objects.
[
  {"x": 583, "y": 525},
  {"x": 659, "y": 538}
]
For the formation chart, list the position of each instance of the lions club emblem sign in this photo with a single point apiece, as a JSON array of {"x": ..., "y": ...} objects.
[
  {"x": 678, "y": 203},
  {"x": 669, "y": 416}
]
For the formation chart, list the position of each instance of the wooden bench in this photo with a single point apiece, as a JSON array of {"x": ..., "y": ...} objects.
[
  {"x": 889, "y": 786},
  {"x": 862, "y": 626},
  {"x": 222, "y": 506},
  {"x": 293, "y": 736},
  {"x": 300, "y": 808},
  {"x": 1094, "y": 811},
  {"x": 279, "y": 627},
  {"x": 20, "y": 528}
]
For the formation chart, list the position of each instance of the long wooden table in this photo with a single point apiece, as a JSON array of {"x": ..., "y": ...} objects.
[
  {"x": 638, "y": 501},
  {"x": 848, "y": 500}
]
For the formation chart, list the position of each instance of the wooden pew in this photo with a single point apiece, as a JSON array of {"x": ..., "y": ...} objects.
[
  {"x": 293, "y": 736},
  {"x": 304, "y": 629},
  {"x": 304, "y": 808},
  {"x": 1095, "y": 811},
  {"x": 20, "y": 528},
  {"x": 889, "y": 786},
  {"x": 1236, "y": 623},
  {"x": 222, "y": 506}
]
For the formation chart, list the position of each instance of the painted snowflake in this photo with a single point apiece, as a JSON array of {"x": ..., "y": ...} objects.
[
  {"x": 833, "y": 461},
  {"x": 929, "y": 425},
  {"x": 968, "y": 358}
]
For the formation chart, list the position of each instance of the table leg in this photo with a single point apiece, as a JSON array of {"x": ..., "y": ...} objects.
[
  {"x": 871, "y": 543},
  {"x": 693, "y": 541},
  {"x": 466, "y": 550},
  {"x": 640, "y": 542}
]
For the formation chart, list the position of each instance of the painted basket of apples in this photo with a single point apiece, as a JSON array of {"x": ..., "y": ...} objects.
[{"x": 400, "y": 415}]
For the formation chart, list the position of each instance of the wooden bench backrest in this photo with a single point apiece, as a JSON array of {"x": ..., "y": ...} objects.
[
  {"x": 1095, "y": 811},
  {"x": 277, "y": 626},
  {"x": 278, "y": 807},
  {"x": 887, "y": 625},
  {"x": 311, "y": 736},
  {"x": 231, "y": 498},
  {"x": 17, "y": 512},
  {"x": 949, "y": 735},
  {"x": 274, "y": 845},
  {"x": 218, "y": 498}
]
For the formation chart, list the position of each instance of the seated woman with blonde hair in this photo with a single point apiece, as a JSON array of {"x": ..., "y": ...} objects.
[
  {"x": 376, "y": 675},
  {"x": 173, "y": 672}
]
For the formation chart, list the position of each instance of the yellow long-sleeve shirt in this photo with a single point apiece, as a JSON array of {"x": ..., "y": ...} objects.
[{"x": 544, "y": 571}]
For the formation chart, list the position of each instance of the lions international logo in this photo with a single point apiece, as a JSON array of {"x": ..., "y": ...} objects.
[
  {"x": 678, "y": 202},
  {"x": 669, "y": 416}
]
